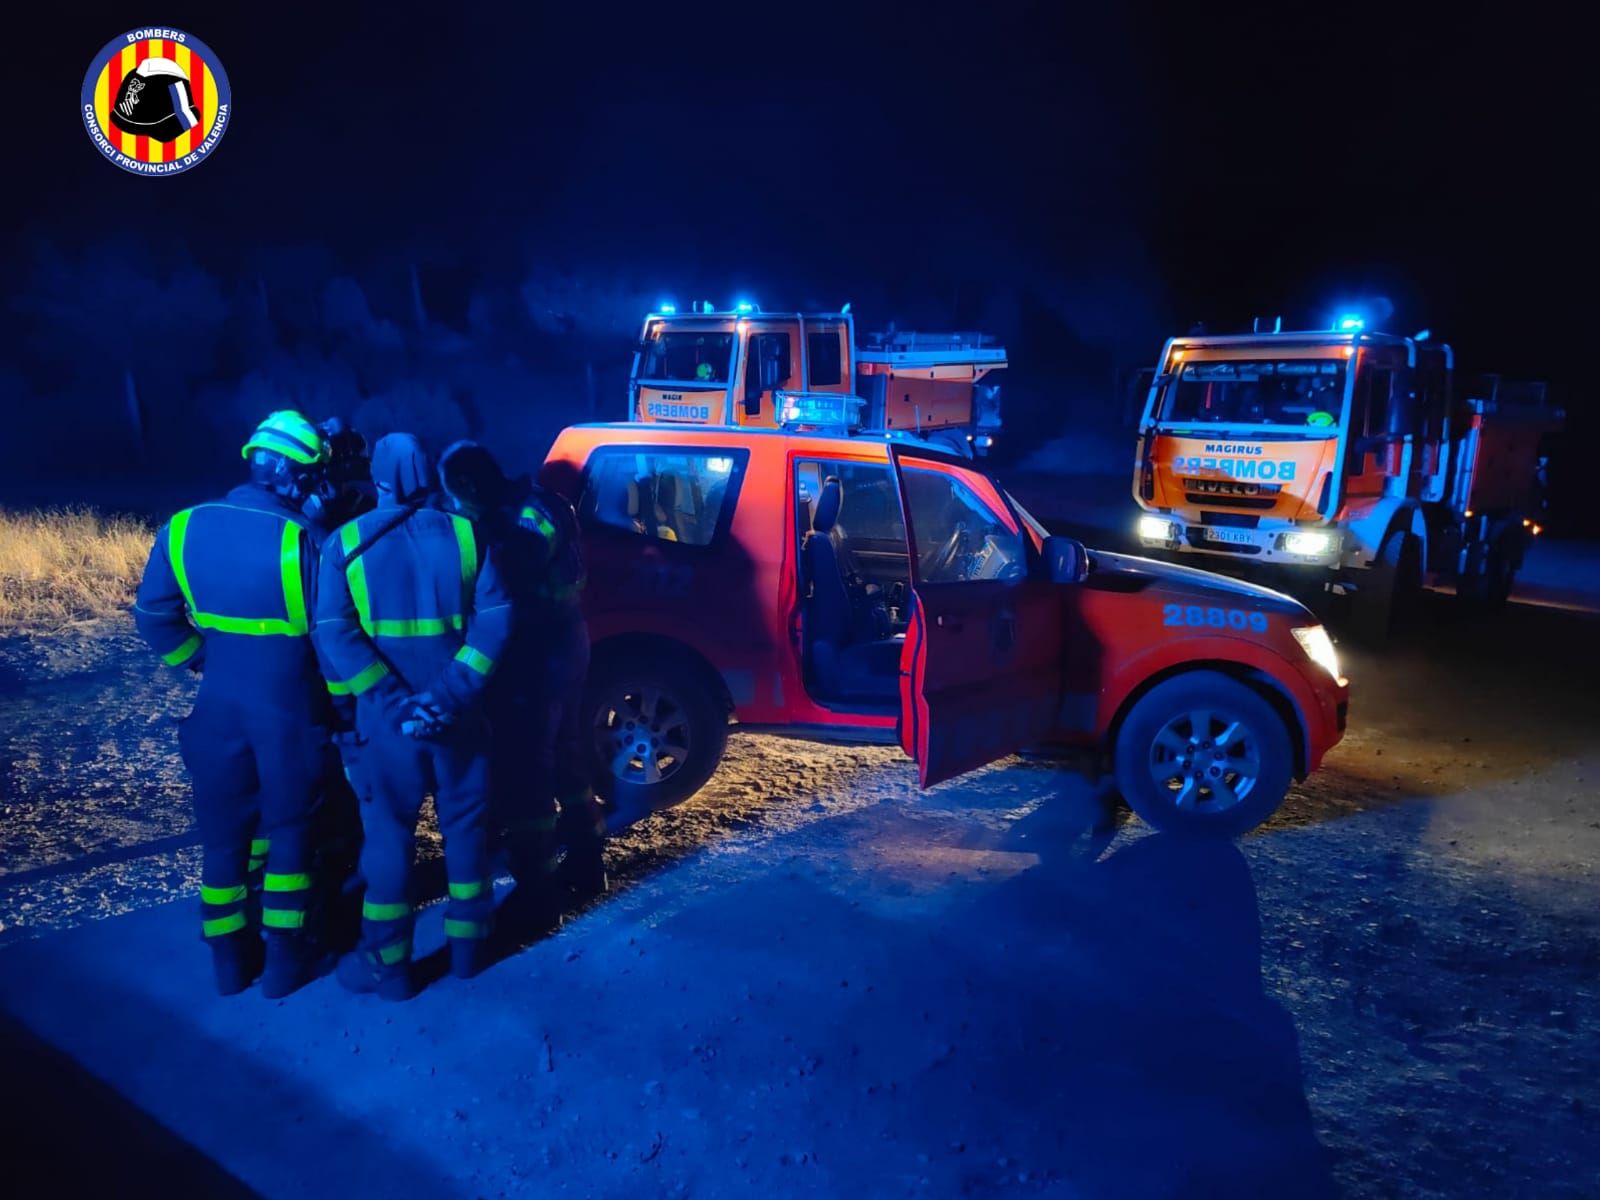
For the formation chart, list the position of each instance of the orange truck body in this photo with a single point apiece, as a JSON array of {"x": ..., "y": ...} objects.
[
  {"x": 738, "y": 368},
  {"x": 1312, "y": 451}
]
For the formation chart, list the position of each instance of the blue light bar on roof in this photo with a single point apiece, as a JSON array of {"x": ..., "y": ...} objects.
[
  {"x": 1350, "y": 323},
  {"x": 667, "y": 307},
  {"x": 834, "y": 410},
  {"x": 744, "y": 306}
]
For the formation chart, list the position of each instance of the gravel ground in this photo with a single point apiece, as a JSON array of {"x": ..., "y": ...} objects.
[{"x": 1424, "y": 911}]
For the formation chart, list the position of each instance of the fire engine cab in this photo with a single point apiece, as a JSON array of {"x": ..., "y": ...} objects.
[
  {"x": 817, "y": 582},
  {"x": 742, "y": 366},
  {"x": 1343, "y": 458}
]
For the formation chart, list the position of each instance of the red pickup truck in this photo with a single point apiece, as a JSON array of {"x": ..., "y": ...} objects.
[{"x": 877, "y": 589}]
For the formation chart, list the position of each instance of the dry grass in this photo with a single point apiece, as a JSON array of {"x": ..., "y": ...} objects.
[{"x": 62, "y": 566}]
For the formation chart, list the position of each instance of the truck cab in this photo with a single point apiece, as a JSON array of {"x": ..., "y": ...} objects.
[
  {"x": 742, "y": 366},
  {"x": 871, "y": 588},
  {"x": 1345, "y": 457},
  {"x": 1268, "y": 447}
]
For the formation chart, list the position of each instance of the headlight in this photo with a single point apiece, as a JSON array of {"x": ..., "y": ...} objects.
[
  {"x": 1155, "y": 529},
  {"x": 1314, "y": 640},
  {"x": 1309, "y": 541}
]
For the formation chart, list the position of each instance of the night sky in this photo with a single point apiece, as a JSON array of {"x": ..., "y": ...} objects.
[{"x": 1147, "y": 167}]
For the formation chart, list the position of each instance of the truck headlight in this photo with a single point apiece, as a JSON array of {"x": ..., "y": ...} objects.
[
  {"x": 1156, "y": 529},
  {"x": 1314, "y": 640},
  {"x": 1309, "y": 541}
]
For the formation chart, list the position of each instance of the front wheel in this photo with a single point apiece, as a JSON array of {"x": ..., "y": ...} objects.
[
  {"x": 1203, "y": 754},
  {"x": 1388, "y": 592},
  {"x": 656, "y": 732}
]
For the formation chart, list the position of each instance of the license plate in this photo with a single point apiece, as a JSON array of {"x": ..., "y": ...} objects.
[{"x": 1236, "y": 536}]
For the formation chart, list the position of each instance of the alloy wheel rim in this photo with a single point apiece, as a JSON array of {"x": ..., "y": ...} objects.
[
  {"x": 1205, "y": 761},
  {"x": 642, "y": 735}
]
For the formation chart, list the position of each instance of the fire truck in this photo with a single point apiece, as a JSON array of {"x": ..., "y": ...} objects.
[
  {"x": 736, "y": 367},
  {"x": 1349, "y": 460},
  {"x": 819, "y": 582}
]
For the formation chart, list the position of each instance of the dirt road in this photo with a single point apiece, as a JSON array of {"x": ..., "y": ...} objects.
[{"x": 813, "y": 980}]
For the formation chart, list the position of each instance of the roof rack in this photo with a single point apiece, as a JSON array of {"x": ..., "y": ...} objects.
[{"x": 959, "y": 340}]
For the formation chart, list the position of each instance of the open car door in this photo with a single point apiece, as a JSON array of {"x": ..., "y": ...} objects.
[{"x": 982, "y": 669}]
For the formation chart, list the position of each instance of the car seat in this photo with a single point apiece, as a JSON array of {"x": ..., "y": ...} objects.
[
  {"x": 642, "y": 509},
  {"x": 613, "y": 505},
  {"x": 841, "y": 667},
  {"x": 667, "y": 516}
]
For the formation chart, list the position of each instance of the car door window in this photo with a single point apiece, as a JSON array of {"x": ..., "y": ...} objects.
[
  {"x": 958, "y": 535},
  {"x": 669, "y": 495}
]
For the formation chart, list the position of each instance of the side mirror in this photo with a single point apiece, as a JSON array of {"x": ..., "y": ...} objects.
[{"x": 1065, "y": 560}]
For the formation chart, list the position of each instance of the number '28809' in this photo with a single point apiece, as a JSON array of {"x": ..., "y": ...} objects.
[{"x": 1195, "y": 616}]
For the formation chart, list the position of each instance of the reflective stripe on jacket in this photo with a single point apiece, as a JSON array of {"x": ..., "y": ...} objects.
[
  {"x": 422, "y": 609},
  {"x": 536, "y": 539},
  {"x": 235, "y": 577}
]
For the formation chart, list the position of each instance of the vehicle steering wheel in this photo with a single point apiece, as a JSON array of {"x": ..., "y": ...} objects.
[{"x": 945, "y": 556}]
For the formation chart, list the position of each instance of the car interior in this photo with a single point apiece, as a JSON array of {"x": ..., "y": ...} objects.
[
  {"x": 855, "y": 576},
  {"x": 673, "y": 498}
]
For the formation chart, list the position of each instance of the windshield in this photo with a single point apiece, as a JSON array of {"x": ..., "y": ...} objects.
[
  {"x": 1305, "y": 393},
  {"x": 687, "y": 356}
]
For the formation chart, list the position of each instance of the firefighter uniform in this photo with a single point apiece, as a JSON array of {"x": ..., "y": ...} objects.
[
  {"x": 545, "y": 781},
  {"x": 543, "y": 796},
  {"x": 416, "y": 619},
  {"x": 228, "y": 584}
]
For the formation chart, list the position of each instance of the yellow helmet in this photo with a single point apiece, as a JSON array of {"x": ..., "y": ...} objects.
[{"x": 287, "y": 433}]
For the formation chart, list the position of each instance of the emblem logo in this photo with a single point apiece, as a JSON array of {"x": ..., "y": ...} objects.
[{"x": 156, "y": 101}]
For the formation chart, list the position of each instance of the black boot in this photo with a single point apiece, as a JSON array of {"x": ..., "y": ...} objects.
[
  {"x": 236, "y": 960},
  {"x": 291, "y": 964},
  {"x": 361, "y": 972},
  {"x": 583, "y": 869},
  {"x": 531, "y": 910}
]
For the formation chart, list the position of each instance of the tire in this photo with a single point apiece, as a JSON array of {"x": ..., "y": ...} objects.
[
  {"x": 1387, "y": 592},
  {"x": 1490, "y": 571},
  {"x": 1502, "y": 574},
  {"x": 678, "y": 755},
  {"x": 1158, "y": 739}
]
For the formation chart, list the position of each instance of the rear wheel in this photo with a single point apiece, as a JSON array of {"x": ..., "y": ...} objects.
[
  {"x": 1490, "y": 570},
  {"x": 1203, "y": 754},
  {"x": 656, "y": 730}
]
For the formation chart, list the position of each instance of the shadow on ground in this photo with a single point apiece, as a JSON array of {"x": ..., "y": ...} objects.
[{"x": 48, "y": 1105}]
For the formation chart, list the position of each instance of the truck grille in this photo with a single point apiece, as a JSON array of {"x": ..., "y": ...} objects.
[{"x": 1231, "y": 493}]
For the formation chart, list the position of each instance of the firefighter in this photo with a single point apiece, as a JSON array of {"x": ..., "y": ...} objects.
[
  {"x": 341, "y": 491},
  {"x": 544, "y": 798},
  {"x": 411, "y": 620},
  {"x": 226, "y": 589}
]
